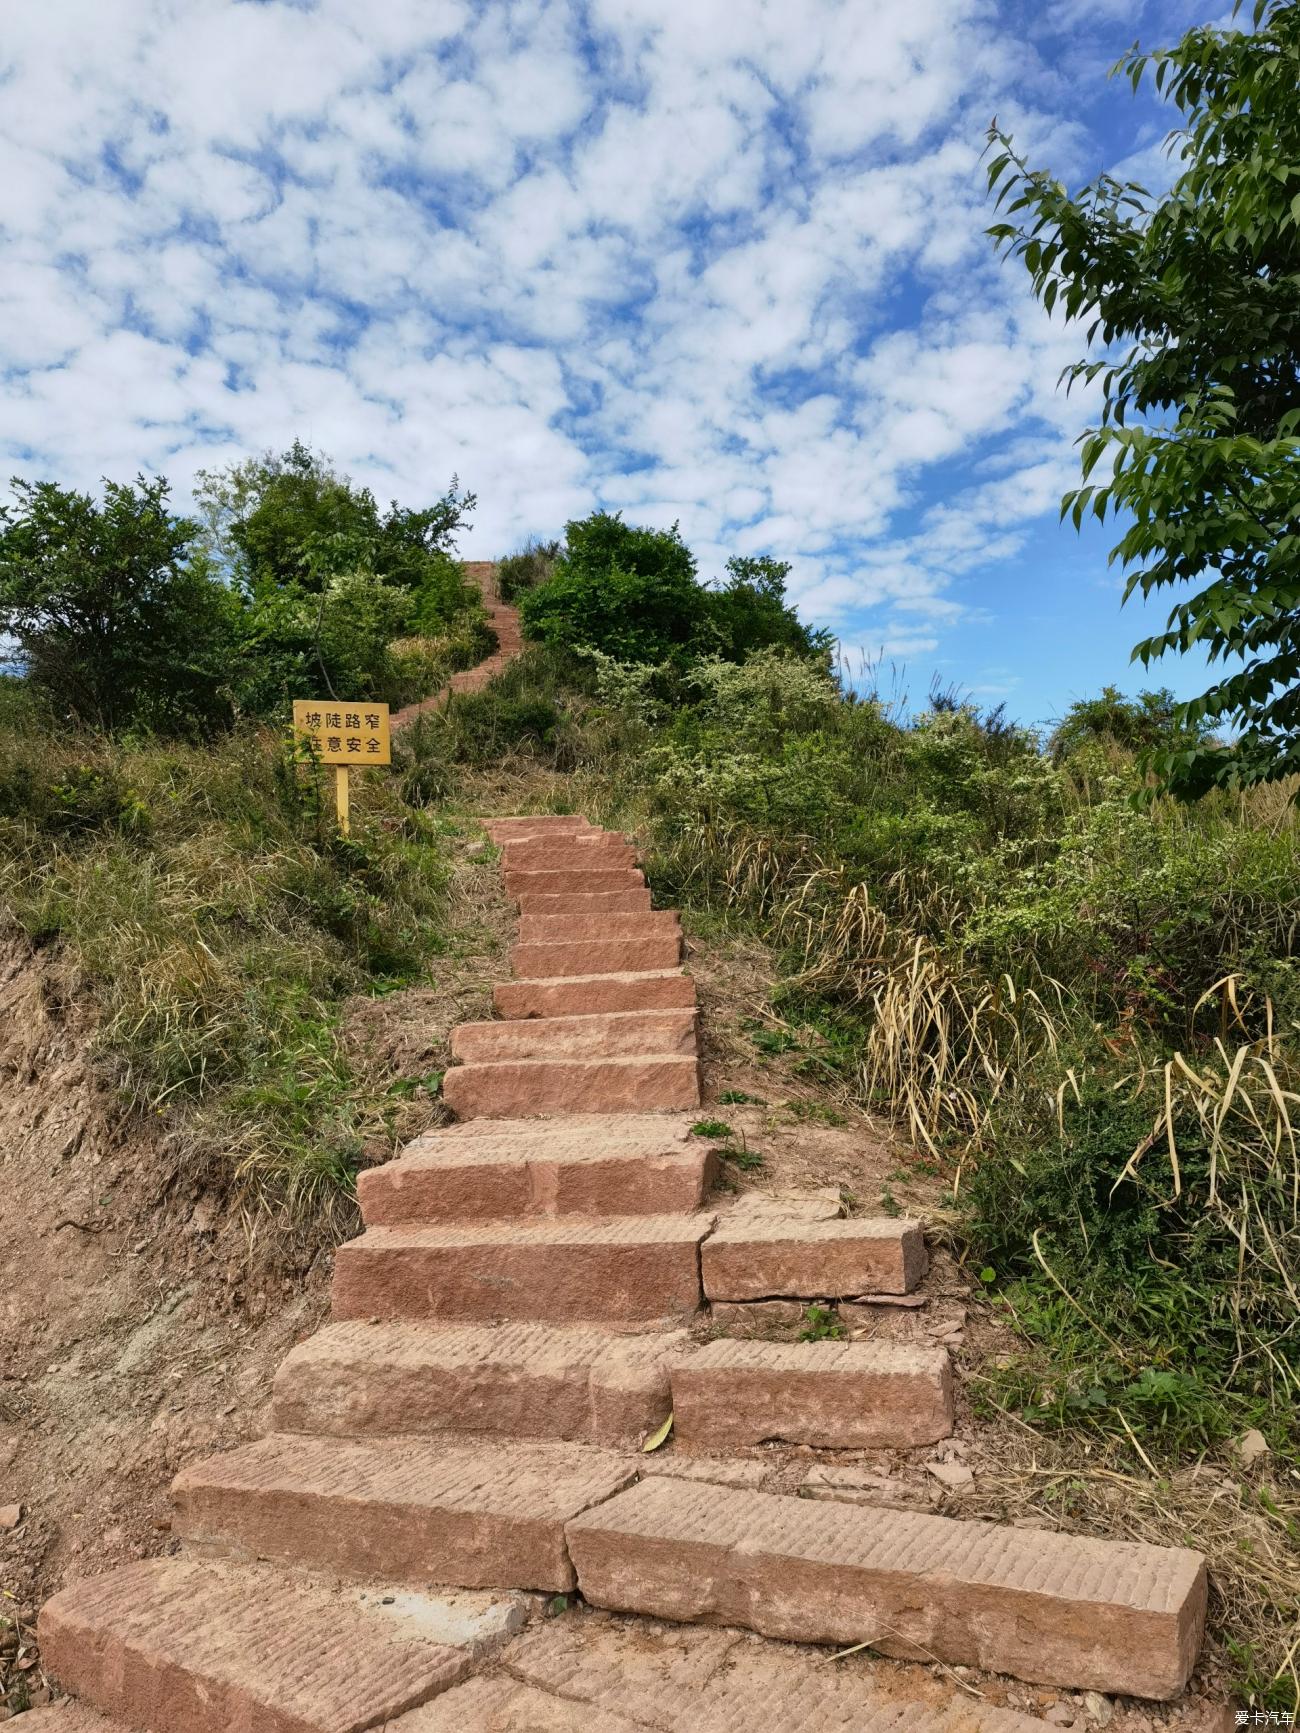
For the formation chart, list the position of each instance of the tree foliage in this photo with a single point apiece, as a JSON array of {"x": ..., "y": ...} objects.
[
  {"x": 633, "y": 593},
  {"x": 1194, "y": 300},
  {"x": 116, "y": 620}
]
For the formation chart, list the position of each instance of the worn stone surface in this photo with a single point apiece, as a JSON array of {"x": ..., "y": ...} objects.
[
  {"x": 183, "y": 1646},
  {"x": 538, "y": 1380},
  {"x": 609, "y": 956},
  {"x": 526, "y": 1087},
  {"x": 566, "y": 881},
  {"x": 756, "y": 1259},
  {"x": 759, "y": 1318},
  {"x": 824, "y": 1203},
  {"x": 566, "y": 929},
  {"x": 512, "y": 829},
  {"x": 857, "y": 1483},
  {"x": 480, "y": 1515},
  {"x": 628, "y": 902},
  {"x": 505, "y": 1705},
  {"x": 584, "y": 995},
  {"x": 597, "y": 849},
  {"x": 685, "y": 1680},
  {"x": 575, "y": 1165},
  {"x": 569, "y": 1269},
  {"x": 601, "y": 1035},
  {"x": 1056, "y": 1609},
  {"x": 835, "y": 1395},
  {"x": 69, "y": 1716},
  {"x": 715, "y": 1470}
]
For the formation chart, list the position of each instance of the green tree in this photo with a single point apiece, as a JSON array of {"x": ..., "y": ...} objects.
[
  {"x": 627, "y": 591},
  {"x": 117, "y": 619},
  {"x": 750, "y": 612},
  {"x": 1194, "y": 297}
]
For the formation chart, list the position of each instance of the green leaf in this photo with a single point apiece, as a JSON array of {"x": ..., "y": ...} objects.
[{"x": 658, "y": 1437}]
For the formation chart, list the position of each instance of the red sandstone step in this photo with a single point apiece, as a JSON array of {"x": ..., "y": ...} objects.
[
  {"x": 1065, "y": 1610},
  {"x": 582, "y": 879},
  {"x": 525, "y": 1087},
  {"x": 591, "y": 995},
  {"x": 611, "y": 1035},
  {"x": 566, "y": 1270},
  {"x": 597, "y": 957},
  {"x": 590, "y": 1164},
  {"x": 630, "y": 902},
  {"x": 707, "y": 1681},
  {"x": 180, "y": 1646},
  {"x": 511, "y": 829},
  {"x": 475, "y": 1516},
  {"x": 759, "y": 1259},
  {"x": 835, "y": 1395},
  {"x": 579, "y": 928},
  {"x": 600, "y": 850},
  {"x": 524, "y": 1380}
]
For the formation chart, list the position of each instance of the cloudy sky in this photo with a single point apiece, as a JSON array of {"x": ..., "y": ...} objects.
[{"x": 719, "y": 261}]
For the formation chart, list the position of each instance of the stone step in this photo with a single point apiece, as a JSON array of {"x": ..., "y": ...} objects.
[
  {"x": 1064, "y": 1610},
  {"x": 183, "y": 1646},
  {"x": 599, "y": 849},
  {"x": 762, "y": 1258},
  {"x": 585, "y": 879},
  {"x": 522, "y": 1380},
  {"x": 611, "y": 1035},
  {"x": 703, "y": 1681},
  {"x": 597, "y": 956},
  {"x": 590, "y": 1164},
  {"x": 629, "y": 902},
  {"x": 584, "y": 928},
  {"x": 514, "y": 827},
  {"x": 591, "y": 995},
  {"x": 400, "y": 1510},
  {"x": 570, "y": 1269},
  {"x": 507, "y": 1088},
  {"x": 834, "y": 1395}
]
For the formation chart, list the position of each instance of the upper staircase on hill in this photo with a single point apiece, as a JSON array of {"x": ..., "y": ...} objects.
[{"x": 504, "y": 621}]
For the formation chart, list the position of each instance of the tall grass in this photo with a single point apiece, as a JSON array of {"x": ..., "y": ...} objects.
[{"x": 218, "y": 919}]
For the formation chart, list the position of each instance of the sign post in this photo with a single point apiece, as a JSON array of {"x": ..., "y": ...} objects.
[{"x": 347, "y": 736}]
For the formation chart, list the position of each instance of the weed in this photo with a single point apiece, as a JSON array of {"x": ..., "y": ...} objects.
[
  {"x": 738, "y": 1098},
  {"x": 822, "y": 1324},
  {"x": 711, "y": 1128},
  {"x": 889, "y": 1204}
]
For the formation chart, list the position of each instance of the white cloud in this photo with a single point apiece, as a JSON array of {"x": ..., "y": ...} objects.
[{"x": 721, "y": 262}]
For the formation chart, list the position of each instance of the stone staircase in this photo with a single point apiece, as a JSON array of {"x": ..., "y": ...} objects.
[
  {"x": 504, "y": 621},
  {"x": 525, "y": 1306}
]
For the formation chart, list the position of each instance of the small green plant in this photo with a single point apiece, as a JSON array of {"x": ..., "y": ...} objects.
[
  {"x": 711, "y": 1128},
  {"x": 822, "y": 1324},
  {"x": 738, "y": 1098},
  {"x": 746, "y": 1159},
  {"x": 889, "y": 1203}
]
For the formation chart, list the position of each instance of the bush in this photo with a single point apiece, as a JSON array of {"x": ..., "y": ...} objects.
[{"x": 531, "y": 566}]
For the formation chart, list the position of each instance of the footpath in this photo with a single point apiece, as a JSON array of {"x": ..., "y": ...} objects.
[
  {"x": 504, "y": 621},
  {"x": 523, "y": 1312}
]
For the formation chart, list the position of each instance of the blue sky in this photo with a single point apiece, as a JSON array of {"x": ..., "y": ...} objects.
[{"x": 719, "y": 261}]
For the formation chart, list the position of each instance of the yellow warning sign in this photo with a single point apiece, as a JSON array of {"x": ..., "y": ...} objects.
[{"x": 351, "y": 734}]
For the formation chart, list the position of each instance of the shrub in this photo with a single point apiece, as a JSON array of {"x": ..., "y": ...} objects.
[{"x": 531, "y": 566}]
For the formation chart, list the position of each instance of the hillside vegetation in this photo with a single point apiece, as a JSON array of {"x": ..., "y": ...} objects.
[{"x": 1076, "y": 1000}]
